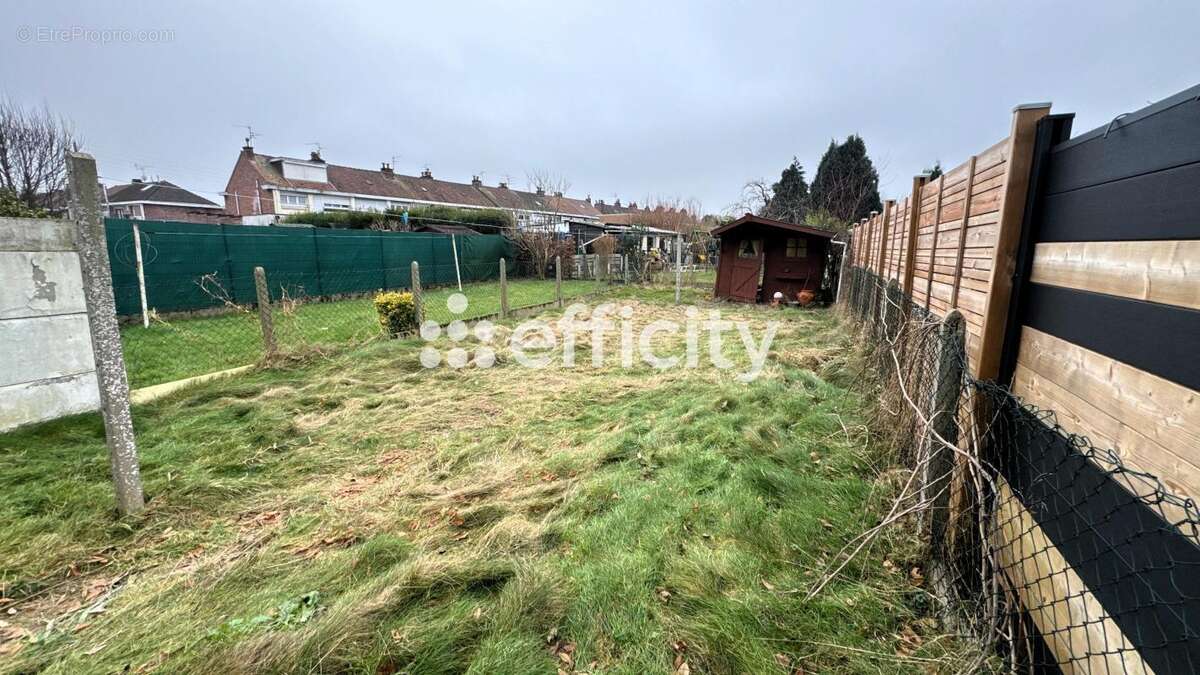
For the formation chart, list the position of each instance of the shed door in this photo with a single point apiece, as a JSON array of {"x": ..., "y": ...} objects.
[{"x": 745, "y": 270}]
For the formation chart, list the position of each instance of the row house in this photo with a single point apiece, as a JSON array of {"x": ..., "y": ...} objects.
[{"x": 264, "y": 188}]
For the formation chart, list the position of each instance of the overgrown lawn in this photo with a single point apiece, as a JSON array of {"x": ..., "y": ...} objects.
[{"x": 359, "y": 513}]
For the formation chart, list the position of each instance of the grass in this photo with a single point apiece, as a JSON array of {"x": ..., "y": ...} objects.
[
  {"x": 358, "y": 513},
  {"x": 173, "y": 349}
]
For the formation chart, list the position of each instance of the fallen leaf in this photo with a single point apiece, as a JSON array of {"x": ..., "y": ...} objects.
[
  {"x": 783, "y": 660},
  {"x": 683, "y": 669},
  {"x": 95, "y": 649},
  {"x": 917, "y": 577},
  {"x": 768, "y": 585}
]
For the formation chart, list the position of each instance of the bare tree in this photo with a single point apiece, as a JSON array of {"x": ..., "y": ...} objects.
[
  {"x": 537, "y": 248},
  {"x": 32, "y": 146},
  {"x": 756, "y": 193},
  {"x": 551, "y": 190}
]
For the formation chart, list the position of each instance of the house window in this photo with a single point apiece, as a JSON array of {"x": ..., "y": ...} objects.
[
  {"x": 797, "y": 248},
  {"x": 749, "y": 248},
  {"x": 336, "y": 204},
  {"x": 291, "y": 200}
]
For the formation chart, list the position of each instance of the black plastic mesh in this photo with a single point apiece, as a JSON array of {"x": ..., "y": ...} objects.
[{"x": 1049, "y": 551}]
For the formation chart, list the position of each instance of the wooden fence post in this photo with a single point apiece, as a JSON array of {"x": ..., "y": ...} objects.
[
  {"x": 914, "y": 223},
  {"x": 883, "y": 235},
  {"x": 503, "y": 289},
  {"x": 418, "y": 303},
  {"x": 84, "y": 201},
  {"x": 1012, "y": 210},
  {"x": 264, "y": 310},
  {"x": 962, "y": 233},
  {"x": 937, "y": 221},
  {"x": 558, "y": 280}
]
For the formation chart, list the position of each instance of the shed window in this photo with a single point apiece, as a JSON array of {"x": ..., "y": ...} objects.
[
  {"x": 797, "y": 248},
  {"x": 749, "y": 248}
]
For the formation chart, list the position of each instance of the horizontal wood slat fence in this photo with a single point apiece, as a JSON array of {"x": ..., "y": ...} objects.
[{"x": 1073, "y": 265}]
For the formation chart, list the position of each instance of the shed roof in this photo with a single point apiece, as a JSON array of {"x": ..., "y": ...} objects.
[{"x": 751, "y": 219}]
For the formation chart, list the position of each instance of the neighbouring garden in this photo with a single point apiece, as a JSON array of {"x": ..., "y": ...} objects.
[
  {"x": 352, "y": 511},
  {"x": 176, "y": 348}
]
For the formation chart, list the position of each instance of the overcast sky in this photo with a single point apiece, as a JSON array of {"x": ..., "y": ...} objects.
[{"x": 642, "y": 99}]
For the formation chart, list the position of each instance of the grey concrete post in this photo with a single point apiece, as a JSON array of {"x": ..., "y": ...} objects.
[
  {"x": 264, "y": 310},
  {"x": 558, "y": 280},
  {"x": 106, "y": 335},
  {"x": 678, "y": 266},
  {"x": 891, "y": 310},
  {"x": 418, "y": 303},
  {"x": 503, "y": 288},
  {"x": 943, "y": 412}
]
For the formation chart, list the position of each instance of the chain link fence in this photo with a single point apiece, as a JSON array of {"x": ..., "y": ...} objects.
[
  {"x": 227, "y": 330},
  {"x": 1046, "y": 550}
]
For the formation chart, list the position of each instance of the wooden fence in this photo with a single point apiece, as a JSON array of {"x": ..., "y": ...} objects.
[{"x": 1076, "y": 266}]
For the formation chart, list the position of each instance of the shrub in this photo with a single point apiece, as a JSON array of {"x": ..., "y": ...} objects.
[{"x": 397, "y": 312}]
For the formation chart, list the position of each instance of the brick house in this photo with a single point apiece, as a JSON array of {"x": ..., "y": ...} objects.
[
  {"x": 263, "y": 188},
  {"x": 160, "y": 200}
]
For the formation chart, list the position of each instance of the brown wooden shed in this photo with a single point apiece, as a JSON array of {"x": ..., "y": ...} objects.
[{"x": 760, "y": 256}]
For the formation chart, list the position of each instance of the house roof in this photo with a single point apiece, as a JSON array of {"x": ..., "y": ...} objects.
[
  {"x": 390, "y": 185},
  {"x": 157, "y": 192},
  {"x": 750, "y": 219}
]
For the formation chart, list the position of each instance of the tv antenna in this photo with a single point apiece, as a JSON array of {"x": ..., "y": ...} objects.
[
  {"x": 315, "y": 144},
  {"x": 142, "y": 169},
  {"x": 250, "y": 135}
]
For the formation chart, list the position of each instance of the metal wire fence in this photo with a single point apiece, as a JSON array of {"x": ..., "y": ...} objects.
[
  {"x": 229, "y": 331},
  {"x": 1047, "y": 550}
]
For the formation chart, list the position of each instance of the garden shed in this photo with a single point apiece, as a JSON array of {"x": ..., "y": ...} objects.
[{"x": 760, "y": 257}]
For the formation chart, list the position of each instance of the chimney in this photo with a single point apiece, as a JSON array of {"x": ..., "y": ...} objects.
[
  {"x": 247, "y": 149},
  {"x": 386, "y": 169},
  {"x": 633, "y": 205},
  {"x": 617, "y": 203},
  {"x": 588, "y": 199},
  {"x": 557, "y": 193},
  {"x": 426, "y": 173},
  {"x": 476, "y": 182},
  {"x": 136, "y": 181},
  {"x": 541, "y": 190},
  {"x": 315, "y": 156},
  {"x": 503, "y": 185}
]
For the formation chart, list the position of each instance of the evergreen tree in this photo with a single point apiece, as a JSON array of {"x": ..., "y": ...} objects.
[
  {"x": 935, "y": 171},
  {"x": 846, "y": 187},
  {"x": 789, "y": 200}
]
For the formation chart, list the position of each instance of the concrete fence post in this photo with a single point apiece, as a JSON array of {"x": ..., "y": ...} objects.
[
  {"x": 84, "y": 196},
  {"x": 891, "y": 310},
  {"x": 418, "y": 303},
  {"x": 558, "y": 280},
  {"x": 141, "y": 274},
  {"x": 678, "y": 266},
  {"x": 264, "y": 310},
  {"x": 503, "y": 289},
  {"x": 943, "y": 415}
]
